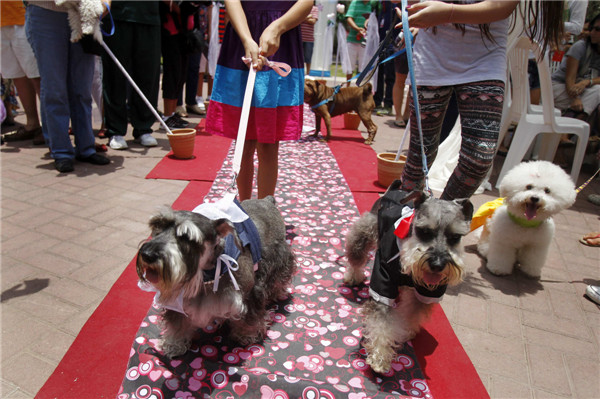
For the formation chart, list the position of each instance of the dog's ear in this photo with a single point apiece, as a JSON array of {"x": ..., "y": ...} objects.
[
  {"x": 188, "y": 229},
  {"x": 162, "y": 220},
  {"x": 223, "y": 227},
  {"x": 467, "y": 207},
  {"x": 417, "y": 197}
]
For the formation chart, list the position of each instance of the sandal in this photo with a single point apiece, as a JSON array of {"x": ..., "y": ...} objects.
[
  {"x": 101, "y": 147},
  {"x": 22, "y": 134},
  {"x": 400, "y": 123},
  {"x": 591, "y": 240}
]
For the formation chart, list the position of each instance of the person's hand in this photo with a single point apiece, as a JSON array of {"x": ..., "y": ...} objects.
[
  {"x": 576, "y": 105},
  {"x": 252, "y": 52},
  {"x": 269, "y": 41},
  {"x": 427, "y": 14},
  {"x": 577, "y": 89},
  {"x": 105, "y": 8}
]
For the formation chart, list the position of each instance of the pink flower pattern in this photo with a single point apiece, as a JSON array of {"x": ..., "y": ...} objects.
[{"x": 313, "y": 347}]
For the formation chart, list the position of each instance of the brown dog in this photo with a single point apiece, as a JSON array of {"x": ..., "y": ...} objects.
[{"x": 358, "y": 99}]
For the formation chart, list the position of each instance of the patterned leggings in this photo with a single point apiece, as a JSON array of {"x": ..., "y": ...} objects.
[{"x": 480, "y": 109}]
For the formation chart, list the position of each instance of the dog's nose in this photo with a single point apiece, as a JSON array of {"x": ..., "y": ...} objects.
[
  {"x": 437, "y": 263},
  {"x": 534, "y": 199}
]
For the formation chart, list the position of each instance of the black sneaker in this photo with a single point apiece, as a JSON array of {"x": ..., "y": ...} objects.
[
  {"x": 94, "y": 159},
  {"x": 176, "y": 122},
  {"x": 64, "y": 165}
]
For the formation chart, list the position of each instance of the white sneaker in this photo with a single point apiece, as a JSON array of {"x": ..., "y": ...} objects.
[
  {"x": 118, "y": 143},
  {"x": 199, "y": 100},
  {"x": 147, "y": 140},
  {"x": 593, "y": 292}
]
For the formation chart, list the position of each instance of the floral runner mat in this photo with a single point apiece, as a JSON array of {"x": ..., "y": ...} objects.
[{"x": 313, "y": 347}]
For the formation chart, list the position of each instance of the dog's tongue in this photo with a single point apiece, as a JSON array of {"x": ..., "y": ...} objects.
[
  {"x": 530, "y": 211},
  {"x": 432, "y": 278}
]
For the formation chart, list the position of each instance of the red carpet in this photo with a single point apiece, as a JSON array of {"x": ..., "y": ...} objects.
[
  {"x": 94, "y": 365},
  {"x": 209, "y": 153}
]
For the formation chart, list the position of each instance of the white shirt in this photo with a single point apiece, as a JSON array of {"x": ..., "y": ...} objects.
[{"x": 449, "y": 57}]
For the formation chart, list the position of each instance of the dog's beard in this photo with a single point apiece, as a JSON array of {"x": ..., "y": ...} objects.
[
  {"x": 167, "y": 274},
  {"x": 415, "y": 261}
]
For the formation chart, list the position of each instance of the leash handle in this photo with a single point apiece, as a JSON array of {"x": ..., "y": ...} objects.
[
  {"x": 413, "y": 85},
  {"x": 283, "y": 70},
  {"x": 243, "y": 127}
]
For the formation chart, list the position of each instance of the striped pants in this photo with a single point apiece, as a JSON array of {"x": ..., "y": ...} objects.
[{"x": 480, "y": 109}]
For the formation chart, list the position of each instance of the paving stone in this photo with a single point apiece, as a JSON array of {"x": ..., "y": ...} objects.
[
  {"x": 584, "y": 375},
  {"x": 548, "y": 369},
  {"x": 503, "y": 387}
]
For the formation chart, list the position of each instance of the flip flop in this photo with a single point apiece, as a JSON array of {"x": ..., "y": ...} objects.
[
  {"x": 591, "y": 236},
  {"x": 400, "y": 123}
]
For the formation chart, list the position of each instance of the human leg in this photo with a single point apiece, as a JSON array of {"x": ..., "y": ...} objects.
[
  {"x": 433, "y": 101},
  {"x": 20, "y": 65},
  {"x": 401, "y": 72},
  {"x": 114, "y": 82},
  {"x": 268, "y": 168},
  {"x": 146, "y": 73},
  {"x": 49, "y": 34},
  {"x": 79, "y": 79},
  {"x": 246, "y": 175},
  {"x": 28, "y": 98},
  {"x": 480, "y": 109}
]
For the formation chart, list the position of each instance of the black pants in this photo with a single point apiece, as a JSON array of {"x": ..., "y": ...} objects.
[{"x": 137, "y": 47}]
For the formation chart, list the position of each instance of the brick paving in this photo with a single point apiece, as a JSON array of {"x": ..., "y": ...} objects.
[{"x": 66, "y": 238}]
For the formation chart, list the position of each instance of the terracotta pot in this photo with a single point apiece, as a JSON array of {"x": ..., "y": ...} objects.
[
  {"x": 182, "y": 142},
  {"x": 351, "y": 121},
  {"x": 388, "y": 169}
]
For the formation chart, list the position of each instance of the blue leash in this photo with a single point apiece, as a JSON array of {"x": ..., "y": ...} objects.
[{"x": 112, "y": 23}]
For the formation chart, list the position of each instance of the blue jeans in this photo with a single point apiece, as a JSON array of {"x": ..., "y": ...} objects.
[{"x": 66, "y": 74}]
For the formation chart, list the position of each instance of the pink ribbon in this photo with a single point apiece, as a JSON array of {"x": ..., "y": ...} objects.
[{"x": 281, "y": 68}]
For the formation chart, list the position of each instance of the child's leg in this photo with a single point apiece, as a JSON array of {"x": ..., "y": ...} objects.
[
  {"x": 268, "y": 168},
  {"x": 246, "y": 176},
  {"x": 432, "y": 104},
  {"x": 480, "y": 109}
]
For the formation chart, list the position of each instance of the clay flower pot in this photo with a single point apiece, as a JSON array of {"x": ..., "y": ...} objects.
[
  {"x": 351, "y": 121},
  {"x": 388, "y": 169},
  {"x": 182, "y": 143}
]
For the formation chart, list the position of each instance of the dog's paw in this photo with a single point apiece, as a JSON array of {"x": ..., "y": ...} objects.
[
  {"x": 498, "y": 271},
  {"x": 531, "y": 271},
  {"x": 173, "y": 348},
  {"x": 353, "y": 277},
  {"x": 379, "y": 362}
]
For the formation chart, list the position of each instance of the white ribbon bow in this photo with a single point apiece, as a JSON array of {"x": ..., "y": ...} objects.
[
  {"x": 229, "y": 261},
  {"x": 224, "y": 208}
]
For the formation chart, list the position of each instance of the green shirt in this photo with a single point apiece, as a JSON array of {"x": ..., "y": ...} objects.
[{"x": 359, "y": 10}]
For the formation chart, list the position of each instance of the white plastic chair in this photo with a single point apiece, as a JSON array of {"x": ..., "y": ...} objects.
[
  {"x": 517, "y": 102},
  {"x": 530, "y": 125}
]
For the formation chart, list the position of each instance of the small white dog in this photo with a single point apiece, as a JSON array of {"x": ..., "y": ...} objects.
[{"x": 521, "y": 230}]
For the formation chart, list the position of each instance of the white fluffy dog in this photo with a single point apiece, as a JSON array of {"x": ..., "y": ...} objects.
[{"x": 521, "y": 230}]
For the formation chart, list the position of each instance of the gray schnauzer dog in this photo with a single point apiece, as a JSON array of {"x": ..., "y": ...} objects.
[
  {"x": 190, "y": 261},
  {"x": 418, "y": 255}
]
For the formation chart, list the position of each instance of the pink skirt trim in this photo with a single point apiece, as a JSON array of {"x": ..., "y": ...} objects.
[{"x": 267, "y": 125}]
